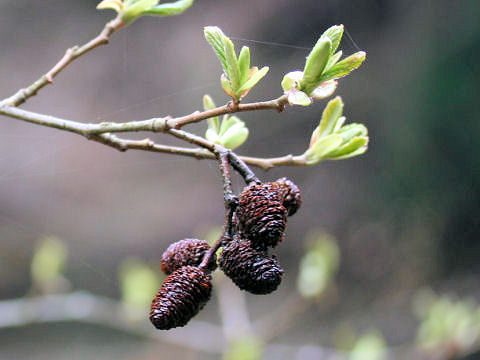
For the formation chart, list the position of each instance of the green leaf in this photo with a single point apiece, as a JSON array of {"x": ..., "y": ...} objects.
[
  {"x": 291, "y": 80},
  {"x": 49, "y": 260},
  {"x": 170, "y": 9},
  {"x": 244, "y": 63},
  {"x": 316, "y": 62},
  {"x": 324, "y": 90},
  {"x": 322, "y": 147},
  {"x": 297, "y": 97},
  {"x": 346, "y": 150},
  {"x": 213, "y": 122},
  {"x": 232, "y": 70},
  {"x": 116, "y": 5},
  {"x": 215, "y": 36},
  {"x": 138, "y": 283},
  {"x": 357, "y": 152},
  {"x": 254, "y": 79},
  {"x": 335, "y": 34},
  {"x": 332, "y": 61},
  {"x": 212, "y": 135},
  {"x": 226, "y": 85},
  {"x": 136, "y": 9},
  {"x": 353, "y": 130},
  {"x": 344, "y": 67},
  {"x": 235, "y": 136},
  {"x": 330, "y": 115}
]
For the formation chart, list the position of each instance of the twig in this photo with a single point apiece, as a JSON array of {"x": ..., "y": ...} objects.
[{"x": 70, "y": 55}]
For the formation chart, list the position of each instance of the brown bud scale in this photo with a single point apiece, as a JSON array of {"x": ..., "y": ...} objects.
[
  {"x": 251, "y": 270},
  {"x": 186, "y": 252},
  {"x": 183, "y": 294}
]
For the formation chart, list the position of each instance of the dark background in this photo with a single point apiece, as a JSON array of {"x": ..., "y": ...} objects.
[{"x": 405, "y": 214}]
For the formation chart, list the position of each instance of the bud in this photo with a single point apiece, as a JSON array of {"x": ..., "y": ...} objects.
[
  {"x": 183, "y": 294},
  {"x": 186, "y": 252},
  {"x": 251, "y": 270},
  {"x": 260, "y": 215},
  {"x": 292, "y": 197}
]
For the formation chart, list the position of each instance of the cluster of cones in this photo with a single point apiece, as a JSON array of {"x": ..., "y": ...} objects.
[{"x": 260, "y": 221}]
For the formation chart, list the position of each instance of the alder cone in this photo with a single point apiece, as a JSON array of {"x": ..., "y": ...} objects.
[
  {"x": 186, "y": 252},
  {"x": 183, "y": 294},
  {"x": 251, "y": 270},
  {"x": 261, "y": 216},
  {"x": 292, "y": 197}
]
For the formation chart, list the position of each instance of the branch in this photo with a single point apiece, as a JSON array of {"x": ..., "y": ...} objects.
[{"x": 70, "y": 55}]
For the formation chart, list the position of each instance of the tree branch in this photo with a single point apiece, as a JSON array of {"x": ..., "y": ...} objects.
[{"x": 70, "y": 55}]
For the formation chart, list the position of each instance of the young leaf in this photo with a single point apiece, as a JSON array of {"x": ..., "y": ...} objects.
[
  {"x": 232, "y": 70},
  {"x": 322, "y": 147},
  {"x": 226, "y": 85},
  {"x": 244, "y": 63},
  {"x": 330, "y": 115},
  {"x": 48, "y": 260},
  {"x": 333, "y": 60},
  {"x": 254, "y": 79},
  {"x": 215, "y": 36},
  {"x": 324, "y": 90},
  {"x": 235, "y": 136},
  {"x": 335, "y": 34},
  {"x": 344, "y": 67},
  {"x": 291, "y": 80},
  {"x": 170, "y": 9},
  {"x": 116, "y": 5},
  {"x": 348, "y": 148},
  {"x": 213, "y": 122},
  {"x": 136, "y": 9},
  {"x": 297, "y": 97},
  {"x": 362, "y": 149},
  {"x": 316, "y": 61}
]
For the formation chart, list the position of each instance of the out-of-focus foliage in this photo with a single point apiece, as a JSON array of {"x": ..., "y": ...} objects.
[
  {"x": 318, "y": 265},
  {"x": 48, "y": 262},
  {"x": 247, "y": 348},
  {"x": 370, "y": 346},
  {"x": 446, "y": 322},
  {"x": 138, "y": 283}
]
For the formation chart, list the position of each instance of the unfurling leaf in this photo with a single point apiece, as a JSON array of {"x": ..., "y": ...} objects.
[
  {"x": 335, "y": 34},
  {"x": 292, "y": 80},
  {"x": 116, "y": 5},
  {"x": 316, "y": 62},
  {"x": 213, "y": 122},
  {"x": 136, "y": 9},
  {"x": 170, "y": 9},
  {"x": 345, "y": 67},
  {"x": 297, "y": 97},
  {"x": 238, "y": 78},
  {"x": 254, "y": 78},
  {"x": 331, "y": 140}
]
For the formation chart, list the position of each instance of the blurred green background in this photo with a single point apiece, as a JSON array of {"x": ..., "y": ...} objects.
[{"x": 404, "y": 217}]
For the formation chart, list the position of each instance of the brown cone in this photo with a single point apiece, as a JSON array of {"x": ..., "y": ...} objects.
[
  {"x": 292, "y": 197},
  {"x": 250, "y": 269},
  {"x": 261, "y": 217},
  {"x": 183, "y": 294},
  {"x": 186, "y": 252}
]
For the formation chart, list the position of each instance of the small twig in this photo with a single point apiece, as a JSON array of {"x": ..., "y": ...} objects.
[
  {"x": 70, "y": 55},
  {"x": 239, "y": 165},
  {"x": 276, "y": 104}
]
